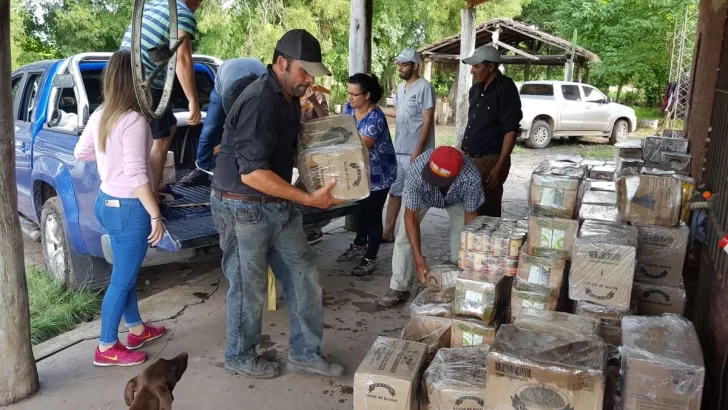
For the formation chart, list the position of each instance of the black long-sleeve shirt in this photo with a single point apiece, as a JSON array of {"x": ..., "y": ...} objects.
[{"x": 494, "y": 111}]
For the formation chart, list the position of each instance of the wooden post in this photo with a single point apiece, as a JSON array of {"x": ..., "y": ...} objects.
[
  {"x": 527, "y": 72},
  {"x": 18, "y": 374},
  {"x": 586, "y": 75},
  {"x": 428, "y": 70},
  {"x": 465, "y": 79},
  {"x": 578, "y": 74},
  {"x": 360, "y": 36}
]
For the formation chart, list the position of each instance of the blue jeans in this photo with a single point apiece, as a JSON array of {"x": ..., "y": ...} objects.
[
  {"x": 211, "y": 132},
  {"x": 252, "y": 237},
  {"x": 128, "y": 226}
]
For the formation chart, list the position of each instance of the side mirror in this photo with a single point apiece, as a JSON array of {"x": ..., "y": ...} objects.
[
  {"x": 609, "y": 100},
  {"x": 63, "y": 81}
]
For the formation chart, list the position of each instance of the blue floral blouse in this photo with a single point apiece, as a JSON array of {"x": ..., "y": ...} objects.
[{"x": 382, "y": 159}]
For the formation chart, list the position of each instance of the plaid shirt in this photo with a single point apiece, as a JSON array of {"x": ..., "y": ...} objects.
[{"x": 466, "y": 188}]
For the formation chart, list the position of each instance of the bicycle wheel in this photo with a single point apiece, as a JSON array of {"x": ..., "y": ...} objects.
[{"x": 142, "y": 84}]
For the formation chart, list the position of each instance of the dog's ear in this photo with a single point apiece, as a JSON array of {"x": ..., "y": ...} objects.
[
  {"x": 165, "y": 400},
  {"x": 129, "y": 391},
  {"x": 180, "y": 362}
]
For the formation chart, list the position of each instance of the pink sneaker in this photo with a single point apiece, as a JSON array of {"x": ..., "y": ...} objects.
[
  {"x": 119, "y": 355},
  {"x": 134, "y": 342}
]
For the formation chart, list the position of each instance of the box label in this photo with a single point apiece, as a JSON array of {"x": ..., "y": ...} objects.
[
  {"x": 471, "y": 339},
  {"x": 533, "y": 305},
  {"x": 473, "y": 298},
  {"x": 540, "y": 396},
  {"x": 539, "y": 275},
  {"x": 513, "y": 371},
  {"x": 552, "y": 238},
  {"x": 382, "y": 392},
  {"x": 552, "y": 197}
]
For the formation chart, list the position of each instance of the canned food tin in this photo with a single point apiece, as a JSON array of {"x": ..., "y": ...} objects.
[
  {"x": 461, "y": 258},
  {"x": 501, "y": 244},
  {"x": 515, "y": 242},
  {"x": 480, "y": 261}
]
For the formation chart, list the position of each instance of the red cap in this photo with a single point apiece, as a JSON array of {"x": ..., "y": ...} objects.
[
  {"x": 444, "y": 165},
  {"x": 723, "y": 243}
]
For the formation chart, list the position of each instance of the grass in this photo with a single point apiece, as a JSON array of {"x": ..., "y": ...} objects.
[
  {"x": 648, "y": 113},
  {"x": 53, "y": 309},
  {"x": 601, "y": 153}
]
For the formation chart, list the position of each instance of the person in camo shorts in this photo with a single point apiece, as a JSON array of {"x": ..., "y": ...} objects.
[{"x": 415, "y": 133}]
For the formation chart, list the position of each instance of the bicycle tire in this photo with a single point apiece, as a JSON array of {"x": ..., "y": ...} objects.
[{"x": 141, "y": 89}]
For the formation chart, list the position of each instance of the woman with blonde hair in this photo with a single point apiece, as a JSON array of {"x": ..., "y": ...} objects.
[{"x": 119, "y": 139}]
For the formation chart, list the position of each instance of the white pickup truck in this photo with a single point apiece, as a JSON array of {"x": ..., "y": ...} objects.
[{"x": 564, "y": 109}]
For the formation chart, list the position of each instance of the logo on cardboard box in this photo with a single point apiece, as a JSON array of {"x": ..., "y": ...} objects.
[
  {"x": 591, "y": 293},
  {"x": 384, "y": 386},
  {"x": 538, "y": 396},
  {"x": 463, "y": 399},
  {"x": 646, "y": 294},
  {"x": 645, "y": 273}
]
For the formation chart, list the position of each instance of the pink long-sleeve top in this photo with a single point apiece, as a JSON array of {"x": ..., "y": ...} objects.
[{"x": 125, "y": 164}]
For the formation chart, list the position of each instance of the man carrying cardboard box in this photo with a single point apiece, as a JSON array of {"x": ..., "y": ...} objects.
[
  {"x": 439, "y": 178},
  {"x": 259, "y": 226}
]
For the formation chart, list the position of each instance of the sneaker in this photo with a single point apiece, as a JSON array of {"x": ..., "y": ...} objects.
[
  {"x": 134, "y": 342},
  {"x": 195, "y": 177},
  {"x": 365, "y": 267},
  {"x": 314, "y": 237},
  {"x": 393, "y": 297},
  {"x": 320, "y": 366},
  {"x": 119, "y": 355},
  {"x": 255, "y": 368},
  {"x": 354, "y": 251}
]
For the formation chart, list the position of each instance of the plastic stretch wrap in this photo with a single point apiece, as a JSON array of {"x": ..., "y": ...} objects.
[
  {"x": 600, "y": 198},
  {"x": 527, "y": 295},
  {"x": 442, "y": 276},
  {"x": 654, "y": 300},
  {"x": 554, "y": 189},
  {"x": 432, "y": 331},
  {"x": 654, "y": 146},
  {"x": 388, "y": 377},
  {"x": 610, "y": 317},
  {"x": 546, "y": 271},
  {"x": 330, "y": 148},
  {"x": 603, "y": 173},
  {"x": 629, "y": 149},
  {"x": 471, "y": 332},
  {"x": 629, "y": 166},
  {"x": 594, "y": 185},
  {"x": 571, "y": 158},
  {"x": 604, "y": 213},
  {"x": 603, "y": 264},
  {"x": 478, "y": 294},
  {"x": 649, "y": 199},
  {"x": 431, "y": 302},
  {"x": 675, "y": 161},
  {"x": 455, "y": 380},
  {"x": 662, "y": 364},
  {"x": 560, "y": 324},
  {"x": 551, "y": 237},
  {"x": 661, "y": 254},
  {"x": 688, "y": 186},
  {"x": 591, "y": 163},
  {"x": 650, "y": 169},
  {"x": 537, "y": 370}
]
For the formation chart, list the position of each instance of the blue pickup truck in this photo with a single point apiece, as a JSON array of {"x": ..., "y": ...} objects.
[{"x": 52, "y": 101}]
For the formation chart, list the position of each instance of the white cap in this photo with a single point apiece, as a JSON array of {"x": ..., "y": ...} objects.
[
  {"x": 482, "y": 54},
  {"x": 408, "y": 55}
]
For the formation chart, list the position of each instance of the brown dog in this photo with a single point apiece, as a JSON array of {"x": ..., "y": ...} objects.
[{"x": 152, "y": 389}]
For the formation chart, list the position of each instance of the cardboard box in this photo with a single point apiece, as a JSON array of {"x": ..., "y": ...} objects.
[
  {"x": 595, "y": 185},
  {"x": 442, "y": 276},
  {"x": 604, "y": 173},
  {"x": 432, "y": 331},
  {"x": 654, "y": 300},
  {"x": 551, "y": 236},
  {"x": 600, "y": 198},
  {"x": 605, "y": 213},
  {"x": 629, "y": 166},
  {"x": 560, "y": 324},
  {"x": 478, "y": 294},
  {"x": 655, "y": 145},
  {"x": 536, "y": 370},
  {"x": 330, "y": 149},
  {"x": 629, "y": 149},
  {"x": 602, "y": 269},
  {"x": 676, "y": 161},
  {"x": 610, "y": 317},
  {"x": 662, "y": 364},
  {"x": 591, "y": 163},
  {"x": 661, "y": 253},
  {"x": 542, "y": 270},
  {"x": 388, "y": 377},
  {"x": 649, "y": 199},
  {"x": 432, "y": 302},
  {"x": 456, "y": 379},
  {"x": 553, "y": 196},
  {"x": 471, "y": 332},
  {"x": 525, "y": 295}
]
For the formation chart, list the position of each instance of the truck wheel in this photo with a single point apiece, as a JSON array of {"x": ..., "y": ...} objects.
[
  {"x": 54, "y": 242},
  {"x": 620, "y": 132},
  {"x": 540, "y": 135}
]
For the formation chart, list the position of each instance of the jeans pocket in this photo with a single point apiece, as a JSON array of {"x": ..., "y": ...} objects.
[
  {"x": 245, "y": 213},
  {"x": 115, "y": 219}
]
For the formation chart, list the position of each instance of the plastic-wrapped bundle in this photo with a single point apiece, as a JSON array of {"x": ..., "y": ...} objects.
[
  {"x": 432, "y": 331},
  {"x": 661, "y": 254},
  {"x": 551, "y": 236},
  {"x": 442, "y": 276},
  {"x": 527, "y": 295},
  {"x": 330, "y": 148},
  {"x": 471, "y": 332},
  {"x": 654, "y": 146},
  {"x": 477, "y": 294},
  {"x": 649, "y": 199},
  {"x": 629, "y": 149},
  {"x": 554, "y": 189},
  {"x": 603, "y": 264},
  {"x": 654, "y": 300},
  {"x": 603, "y": 173},
  {"x": 537, "y": 370},
  {"x": 662, "y": 363},
  {"x": 629, "y": 166},
  {"x": 560, "y": 324},
  {"x": 431, "y": 302},
  {"x": 456, "y": 378},
  {"x": 546, "y": 271},
  {"x": 611, "y": 319}
]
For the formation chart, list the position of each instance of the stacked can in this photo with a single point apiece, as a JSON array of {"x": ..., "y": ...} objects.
[{"x": 492, "y": 244}]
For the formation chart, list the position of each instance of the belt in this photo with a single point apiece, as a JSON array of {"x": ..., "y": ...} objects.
[
  {"x": 248, "y": 198},
  {"x": 479, "y": 155}
]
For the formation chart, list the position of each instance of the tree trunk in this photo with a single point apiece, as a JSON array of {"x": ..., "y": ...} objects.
[
  {"x": 465, "y": 79},
  {"x": 360, "y": 36},
  {"x": 18, "y": 374},
  {"x": 619, "y": 92}
]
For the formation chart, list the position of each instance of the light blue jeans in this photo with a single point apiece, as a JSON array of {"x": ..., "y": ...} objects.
[
  {"x": 128, "y": 226},
  {"x": 252, "y": 237}
]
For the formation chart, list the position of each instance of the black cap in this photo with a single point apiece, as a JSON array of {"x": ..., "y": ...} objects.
[{"x": 300, "y": 45}]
